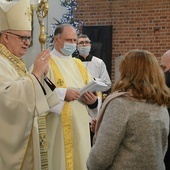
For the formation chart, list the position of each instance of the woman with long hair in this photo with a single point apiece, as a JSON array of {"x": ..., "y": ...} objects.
[{"x": 132, "y": 128}]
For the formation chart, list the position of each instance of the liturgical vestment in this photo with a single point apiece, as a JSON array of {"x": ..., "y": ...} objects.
[
  {"x": 68, "y": 131},
  {"x": 21, "y": 101}
]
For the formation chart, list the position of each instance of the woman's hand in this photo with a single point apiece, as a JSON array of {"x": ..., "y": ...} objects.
[{"x": 93, "y": 125}]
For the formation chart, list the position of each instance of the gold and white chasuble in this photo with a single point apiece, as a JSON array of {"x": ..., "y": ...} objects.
[
  {"x": 68, "y": 131},
  {"x": 21, "y": 100}
]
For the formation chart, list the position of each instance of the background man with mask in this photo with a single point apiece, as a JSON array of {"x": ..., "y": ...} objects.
[
  {"x": 22, "y": 98},
  {"x": 68, "y": 131},
  {"x": 165, "y": 64},
  {"x": 94, "y": 65}
]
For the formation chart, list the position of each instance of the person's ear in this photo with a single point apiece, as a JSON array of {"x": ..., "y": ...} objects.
[
  {"x": 5, "y": 37},
  {"x": 56, "y": 39}
]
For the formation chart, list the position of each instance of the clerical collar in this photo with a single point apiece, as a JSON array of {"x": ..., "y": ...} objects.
[
  {"x": 88, "y": 58},
  {"x": 16, "y": 62},
  {"x": 58, "y": 54}
]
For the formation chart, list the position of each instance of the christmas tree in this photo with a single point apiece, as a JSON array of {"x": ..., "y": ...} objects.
[{"x": 68, "y": 17}]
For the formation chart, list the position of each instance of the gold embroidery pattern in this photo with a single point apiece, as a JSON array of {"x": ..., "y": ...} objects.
[
  {"x": 28, "y": 13},
  {"x": 43, "y": 141},
  {"x": 42, "y": 138},
  {"x": 16, "y": 62},
  {"x": 68, "y": 141},
  {"x": 60, "y": 82}
]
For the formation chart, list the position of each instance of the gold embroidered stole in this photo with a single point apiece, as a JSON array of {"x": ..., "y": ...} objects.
[
  {"x": 43, "y": 141},
  {"x": 16, "y": 62},
  {"x": 66, "y": 115},
  {"x": 82, "y": 70}
]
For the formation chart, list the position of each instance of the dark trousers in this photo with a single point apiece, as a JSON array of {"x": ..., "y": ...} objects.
[
  {"x": 91, "y": 136},
  {"x": 167, "y": 156}
]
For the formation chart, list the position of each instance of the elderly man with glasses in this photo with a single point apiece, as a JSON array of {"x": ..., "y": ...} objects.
[{"x": 22, "y": 97}]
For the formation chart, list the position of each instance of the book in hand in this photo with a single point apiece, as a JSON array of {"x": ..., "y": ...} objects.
[{"x": 94, "y": 86}]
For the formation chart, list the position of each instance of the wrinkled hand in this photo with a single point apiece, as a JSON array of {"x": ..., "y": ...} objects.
[
  {"x": 93, "y": 125},
  {"x": 72, "y": 94},
  {"x": 46, "y": 70},
  {"x": 41, "y": 63},
  {"x": 89, "y": 97}
]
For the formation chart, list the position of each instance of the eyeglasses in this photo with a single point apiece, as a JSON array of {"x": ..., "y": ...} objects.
[
  {"x": 84, "y": 43},
  {"x": 22, "y": 38}
]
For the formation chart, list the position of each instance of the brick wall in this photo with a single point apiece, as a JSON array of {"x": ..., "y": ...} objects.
[{"x": 137, "y": 24}]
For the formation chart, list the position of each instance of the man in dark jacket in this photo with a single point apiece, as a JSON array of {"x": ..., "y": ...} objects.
[{"x": 165, "y": 64}]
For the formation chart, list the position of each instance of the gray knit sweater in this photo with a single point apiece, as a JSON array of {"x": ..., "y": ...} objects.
[{"x": 132, "y": 136}]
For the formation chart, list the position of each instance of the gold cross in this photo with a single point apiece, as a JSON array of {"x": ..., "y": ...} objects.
[{"x": 60, "y": 82}]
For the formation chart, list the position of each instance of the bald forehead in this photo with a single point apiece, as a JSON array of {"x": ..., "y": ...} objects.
[
  {"x": 69, "y": 31},
  {"x": 166, "y": 57},
  {"x": 69, "y": 34},
  {"x": 165, "y": 61}
]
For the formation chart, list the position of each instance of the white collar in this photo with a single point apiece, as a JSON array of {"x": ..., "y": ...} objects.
[{"x": 58, "y": 54}]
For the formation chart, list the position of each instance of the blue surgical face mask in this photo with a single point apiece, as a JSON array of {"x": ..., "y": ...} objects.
[
  {"x": 68, "y": 48},
  {"x": 84, "y": 51}
]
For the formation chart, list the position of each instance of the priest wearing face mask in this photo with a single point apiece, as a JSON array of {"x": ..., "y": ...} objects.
[
  {"x": 165, "y": 64},
  {"x": 68, "y": 131}
]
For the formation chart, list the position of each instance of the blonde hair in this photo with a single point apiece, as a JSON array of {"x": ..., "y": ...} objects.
[{"x": 141, "y": 74}]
